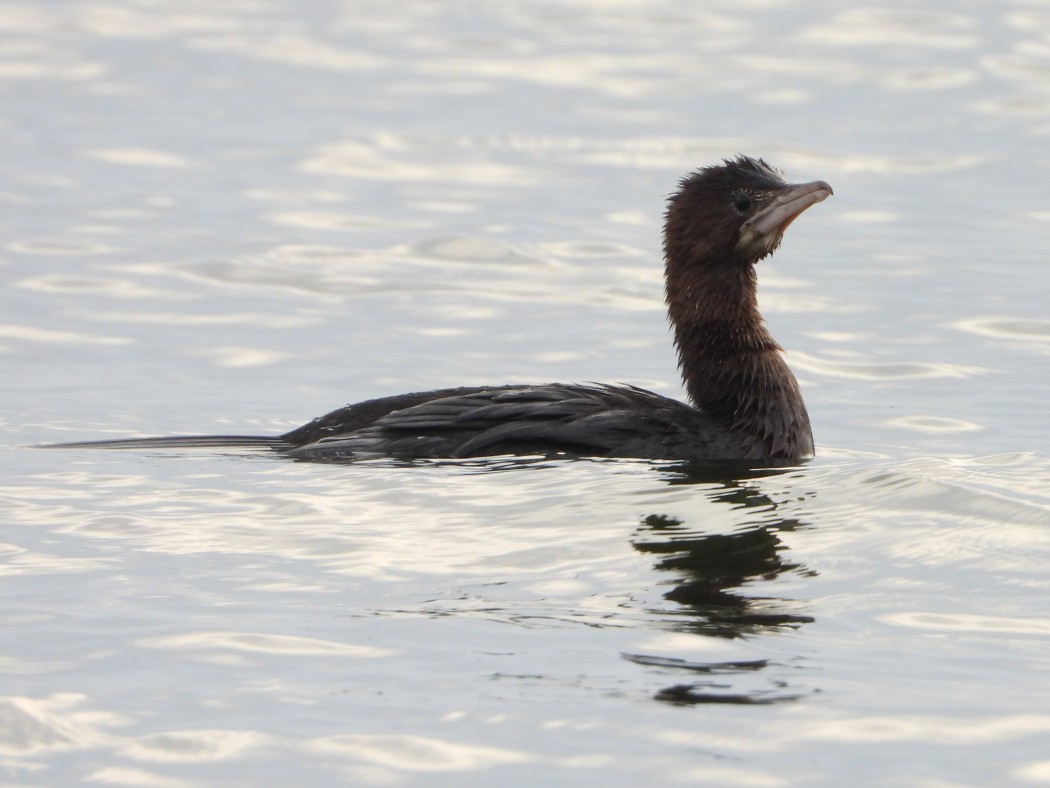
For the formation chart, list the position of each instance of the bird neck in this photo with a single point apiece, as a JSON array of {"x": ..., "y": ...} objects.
[{"x": 732, "y": 367}]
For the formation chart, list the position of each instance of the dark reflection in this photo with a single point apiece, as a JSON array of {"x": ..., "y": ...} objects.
[
  {"x": 709, "y": 689},
  {"x": 727, "y": 472},
  {"x": 713, "y": 577}
]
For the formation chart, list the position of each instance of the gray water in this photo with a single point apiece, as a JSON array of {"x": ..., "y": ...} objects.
[{"x": 233, "y": 217}]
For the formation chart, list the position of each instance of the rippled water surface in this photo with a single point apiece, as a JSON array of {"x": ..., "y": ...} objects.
[{"x": 232, "y": 217}]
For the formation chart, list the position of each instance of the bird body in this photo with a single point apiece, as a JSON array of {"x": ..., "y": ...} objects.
[
  {"x": 574, "y": 419},
  {"x": 744, "y": 402}
]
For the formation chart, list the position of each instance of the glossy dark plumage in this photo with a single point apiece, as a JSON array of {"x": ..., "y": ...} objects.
[
  {"x": 746, "y": 404},
  {"x": 582, "y": 420}
]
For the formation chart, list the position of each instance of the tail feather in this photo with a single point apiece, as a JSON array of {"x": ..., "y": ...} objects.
[{"x": 179, "y": 442}]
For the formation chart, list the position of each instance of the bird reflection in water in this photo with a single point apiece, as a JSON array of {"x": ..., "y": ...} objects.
[{"x": 710, "y": 571}]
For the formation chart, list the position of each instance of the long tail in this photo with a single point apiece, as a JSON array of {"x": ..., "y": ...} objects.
[{"x": 179, "y": 442}]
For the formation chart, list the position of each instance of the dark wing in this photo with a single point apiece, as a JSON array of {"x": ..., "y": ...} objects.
[{"x": 583, "y": 420}]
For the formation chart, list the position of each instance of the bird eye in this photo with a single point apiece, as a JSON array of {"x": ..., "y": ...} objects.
[{"x": 741, "y": 202}]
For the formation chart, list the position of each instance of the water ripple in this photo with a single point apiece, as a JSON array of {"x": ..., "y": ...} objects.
[
  {"x": 278, "y": 645},
  {"x": 1033, "y": 332},
  {"x": 53, "y": 336},
  {"x": 880, "y": 27},
  {"x": 195, "y": 746},
  {"x": 29, "y": 726},
  {"x": 139, "y": 157},
  {"x": 933, "y": 425},
  {"x": 883, "y": 370},
  {"x": 962, "y": 623},
  {"x": 417, "y": 753},
  {"x": 388, "y": 158},
  {"x": 292, "y": 50}
]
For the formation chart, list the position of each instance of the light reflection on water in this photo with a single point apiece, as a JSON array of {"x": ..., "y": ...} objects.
[
  {"x": 631, "y": 581},
  {"x": 235, "y": 217}
]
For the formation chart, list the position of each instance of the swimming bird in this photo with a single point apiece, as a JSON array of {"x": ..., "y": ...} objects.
[{"x": 744, "y": 402}]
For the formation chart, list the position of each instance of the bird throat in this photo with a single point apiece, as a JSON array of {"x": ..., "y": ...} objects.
[{"x": 731, "y": 366}]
